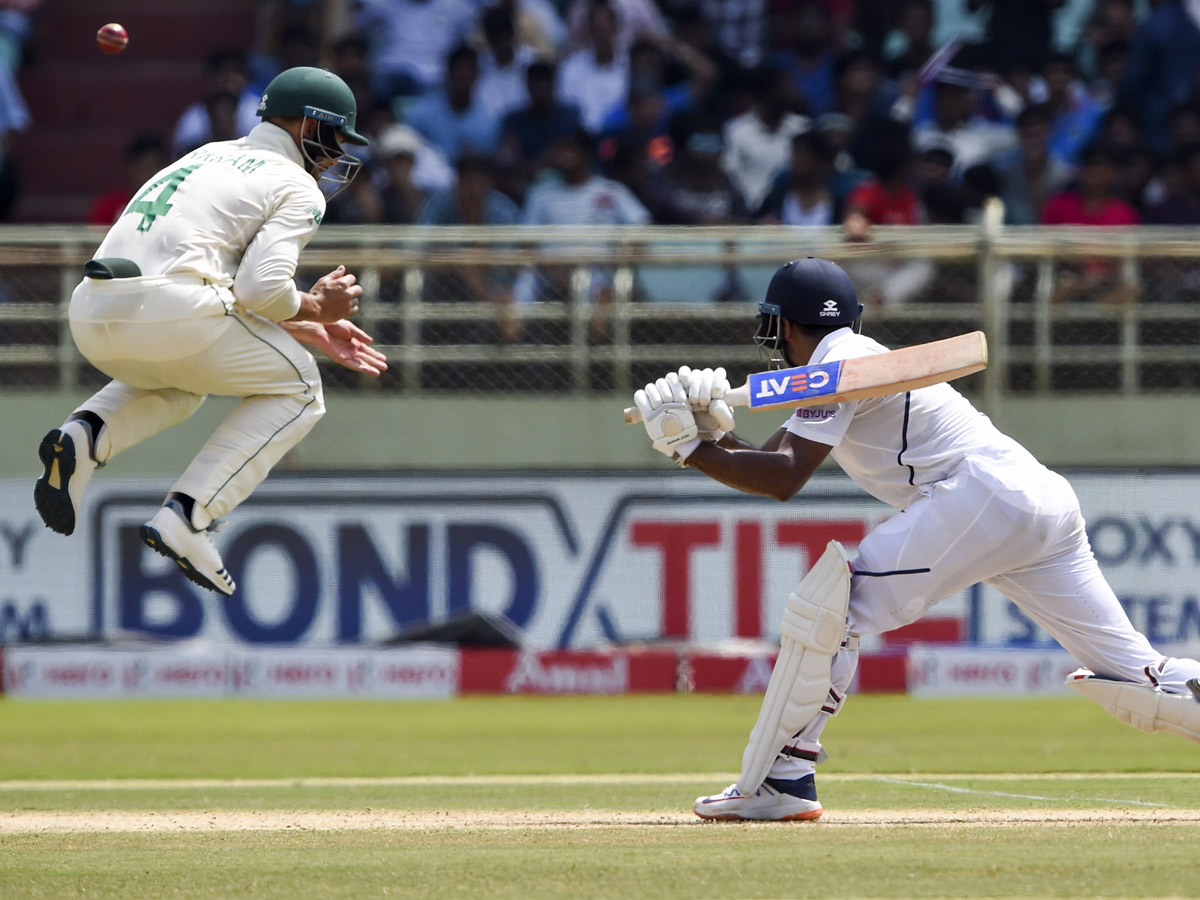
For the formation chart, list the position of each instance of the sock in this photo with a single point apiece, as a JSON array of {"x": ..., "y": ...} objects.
[
  {"x": 94, "y": 425},
  {"x": 805, "y": 788},
  {"x": 188, "y": 504}
]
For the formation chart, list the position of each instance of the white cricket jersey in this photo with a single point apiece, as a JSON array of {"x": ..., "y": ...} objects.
[
  {"x": 893, "y": 446},
  {"x": 235, "y": 213}
]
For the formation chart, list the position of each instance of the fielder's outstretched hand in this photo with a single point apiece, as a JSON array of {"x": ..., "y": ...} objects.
[
  {"x": 343, "y": 342},
  {"x": 666, "y": 414},
  {"x": 706, "y": 390}
]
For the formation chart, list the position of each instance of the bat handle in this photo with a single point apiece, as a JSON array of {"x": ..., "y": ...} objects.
[{"x": 633, "y": 415}]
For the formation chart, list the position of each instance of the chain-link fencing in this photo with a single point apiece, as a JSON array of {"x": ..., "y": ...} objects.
[{"x": 577, "y": 310}]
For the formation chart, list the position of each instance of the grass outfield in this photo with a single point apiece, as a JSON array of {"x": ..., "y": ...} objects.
[{"x": 523, "y": 797}]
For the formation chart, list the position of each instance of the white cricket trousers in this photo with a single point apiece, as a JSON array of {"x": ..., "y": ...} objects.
[
  {"x": 170, "y": 341},
  {"x": 1027, "y": 541}
]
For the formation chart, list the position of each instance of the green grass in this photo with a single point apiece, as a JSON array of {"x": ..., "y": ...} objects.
[
  {"x": 704, "y": 861},
  {"x": 249, "y": 739},
  {"x": 972, "y": 760}
]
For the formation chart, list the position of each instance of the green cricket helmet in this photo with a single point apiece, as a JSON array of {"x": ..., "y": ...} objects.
[{"x": 305, "y": 92}]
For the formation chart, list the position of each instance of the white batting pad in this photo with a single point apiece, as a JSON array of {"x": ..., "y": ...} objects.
[
  {"x": 1146, "y": 708},
  {"x": 814, "y": 622}
]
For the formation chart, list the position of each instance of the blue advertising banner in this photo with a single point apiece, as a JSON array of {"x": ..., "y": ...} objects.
[{"x": 573, "y": 560}]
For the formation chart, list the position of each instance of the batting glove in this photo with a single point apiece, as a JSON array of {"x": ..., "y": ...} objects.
[
  {"x": 706, "y": 389},
  {"x": 668, "y": 417}
]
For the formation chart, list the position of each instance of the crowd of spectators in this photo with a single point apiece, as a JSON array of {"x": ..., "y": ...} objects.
[
  {"x": 697, "y": 112},
  {"x": 16, "y": 25}
]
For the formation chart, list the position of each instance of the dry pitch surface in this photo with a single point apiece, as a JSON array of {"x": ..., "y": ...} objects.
[{"x": 476, "y": 819}]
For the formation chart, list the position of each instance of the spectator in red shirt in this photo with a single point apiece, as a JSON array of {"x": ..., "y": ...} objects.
[
  {"x": 1093, "y": 201},
  {"x": 880, "y": 203},
  {"x": 144, "y": 155},
  {"x": 888, "y": 198}
]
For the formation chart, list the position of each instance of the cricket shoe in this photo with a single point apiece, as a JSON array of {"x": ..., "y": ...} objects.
[
  {"x": 775, "y": 801},
  {"x": 171, "y": 535},
  {"x": 68, "y": 466}
]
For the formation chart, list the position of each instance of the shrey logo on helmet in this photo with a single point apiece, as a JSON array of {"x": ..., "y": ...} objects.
[{"x": 305, "y": 92}]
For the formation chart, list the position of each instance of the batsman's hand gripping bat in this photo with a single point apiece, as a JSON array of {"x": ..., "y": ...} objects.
[{"x": 893, "y": 372}]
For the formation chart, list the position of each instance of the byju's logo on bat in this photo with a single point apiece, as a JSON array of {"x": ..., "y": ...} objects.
[{"x": 789, "y": 385}]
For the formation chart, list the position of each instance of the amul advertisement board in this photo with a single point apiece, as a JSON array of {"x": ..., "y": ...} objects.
[{"x": 575, "y": 561}]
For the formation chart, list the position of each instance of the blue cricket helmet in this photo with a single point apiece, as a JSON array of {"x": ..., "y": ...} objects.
[
  {"x": 807, "y": 291},
  {"x": 812, "y": 291}
]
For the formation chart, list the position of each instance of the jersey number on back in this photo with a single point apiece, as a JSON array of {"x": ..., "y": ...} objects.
[{"x": 159, "y": 206}]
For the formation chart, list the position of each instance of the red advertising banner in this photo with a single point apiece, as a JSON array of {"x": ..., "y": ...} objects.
[{"x": 568, "y": 672}]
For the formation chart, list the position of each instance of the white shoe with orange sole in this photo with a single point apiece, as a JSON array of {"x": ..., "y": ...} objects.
[{"x": 775, "y": 801}]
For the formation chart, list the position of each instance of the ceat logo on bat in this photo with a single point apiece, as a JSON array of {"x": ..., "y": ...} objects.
[{"x": 768, "y": 388}]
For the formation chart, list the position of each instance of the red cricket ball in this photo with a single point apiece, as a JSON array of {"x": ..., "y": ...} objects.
[{"x": 112, "y": 38}]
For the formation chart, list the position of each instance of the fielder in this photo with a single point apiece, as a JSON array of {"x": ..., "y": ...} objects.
[
  {"x": 191, "y": 293},
  {"x": 976, "y": 507}
]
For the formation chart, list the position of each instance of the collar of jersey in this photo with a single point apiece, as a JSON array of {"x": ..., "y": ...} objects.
[
  {"x": 275, "y": 139},
  {"x": 829, "y": 342}
]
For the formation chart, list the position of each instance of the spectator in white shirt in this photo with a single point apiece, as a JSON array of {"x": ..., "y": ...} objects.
[
  {"x": 758, "y": 143},
  {"x": 410, "y": 40},
  {"x": 803, "y": 195},
  {"x": 635, "y": 19},
  {"x": 579, "y": 198},
  {"x": 430, "y": 169},
  {"x": 502, "y": 65},
  {"x": 596, "y": 78}
]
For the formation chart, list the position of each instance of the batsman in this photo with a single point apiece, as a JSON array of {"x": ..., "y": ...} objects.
[
  {"x": 975, "y": 506},
  {"x": 192, "y": 293}
]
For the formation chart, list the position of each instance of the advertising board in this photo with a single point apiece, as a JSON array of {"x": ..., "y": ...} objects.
[{"x": 575, "y": 561}]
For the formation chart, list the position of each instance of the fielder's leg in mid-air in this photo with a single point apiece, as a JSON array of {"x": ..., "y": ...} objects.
[
  {"x": 192, "y": 292},
  {"x": 251, "y": 358}
]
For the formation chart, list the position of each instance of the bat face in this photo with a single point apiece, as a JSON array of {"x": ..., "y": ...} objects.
[{"x": 787, "y": 386}]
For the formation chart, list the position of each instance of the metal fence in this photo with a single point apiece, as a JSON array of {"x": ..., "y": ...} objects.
[{"x": 577, "y": 310}]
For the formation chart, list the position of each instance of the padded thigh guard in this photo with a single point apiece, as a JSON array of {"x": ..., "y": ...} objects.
[
  {"x": 1143, "y": 706},
  {"x": 814, "y": 623}
]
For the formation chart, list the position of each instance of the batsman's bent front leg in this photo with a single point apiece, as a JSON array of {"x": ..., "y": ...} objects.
[{"x": 812, "y": 632}]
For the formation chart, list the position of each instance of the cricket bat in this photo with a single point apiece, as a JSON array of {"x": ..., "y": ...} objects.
[{"x": 894, "y": 372}]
